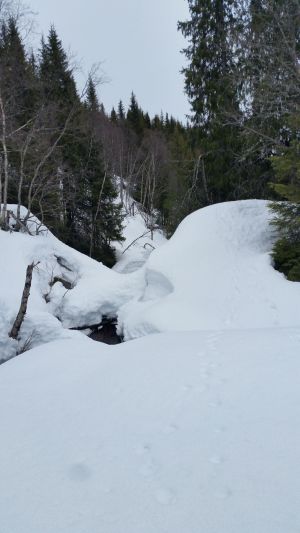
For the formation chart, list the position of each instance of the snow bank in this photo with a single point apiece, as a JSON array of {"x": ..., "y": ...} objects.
[
  {"x": 215, "y": 273},
  {"x": 182, "y": 433},
  {"x": 68, "y": 290}
]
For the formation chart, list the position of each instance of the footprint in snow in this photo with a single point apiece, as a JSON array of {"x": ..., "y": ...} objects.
[
  {"x": 142, "y": 449},
  {"x": 79, "y": 472},
  {"x": 149, "y": 469}
]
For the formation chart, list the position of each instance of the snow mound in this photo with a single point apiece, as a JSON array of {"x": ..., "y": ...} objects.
[
  {"x": 215, "y": 273},
  {"x": 69, "y": 289},
  {"x": 179, "y": 433}
]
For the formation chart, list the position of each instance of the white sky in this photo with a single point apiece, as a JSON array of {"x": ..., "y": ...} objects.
[{"x": 136, "y": 40}]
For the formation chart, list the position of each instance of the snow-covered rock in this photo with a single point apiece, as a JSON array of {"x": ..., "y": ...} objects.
[{"x": 92, "y": 289}]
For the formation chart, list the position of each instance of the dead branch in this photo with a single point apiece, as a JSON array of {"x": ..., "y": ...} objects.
[
  {"x": 24, "y": 301},
  {"x": 143, "y": 235}
]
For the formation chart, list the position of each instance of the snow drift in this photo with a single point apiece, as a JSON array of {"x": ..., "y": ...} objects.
[{"x": 215, "y": 273}]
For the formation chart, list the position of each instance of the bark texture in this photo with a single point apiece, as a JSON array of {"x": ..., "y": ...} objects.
[{"x": 24, "y": 301}]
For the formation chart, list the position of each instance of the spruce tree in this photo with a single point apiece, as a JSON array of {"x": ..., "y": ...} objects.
[
  {"x": 55, "y": 72},
  {"x": 92, "y": 101},
  {"x": 113, "y": 115},
  {"x": 121, "y": 111},
  {"x": 209, "y": 74},
  {"x": 17, "y": 76},
  {"x": 90, "y": 220},
  {"x": 19, "y": 94},
  {"x": 213, "y": 93},
  {"x": 274, "y": 71},
  {"x": 135, "y": 116}
]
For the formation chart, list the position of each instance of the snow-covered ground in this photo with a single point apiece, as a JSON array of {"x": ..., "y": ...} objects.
[
  {"x": 172, "y": 433},
  {"x": 195, "y": 429}
]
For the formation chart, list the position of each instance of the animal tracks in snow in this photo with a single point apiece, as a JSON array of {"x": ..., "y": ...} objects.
[
  {"x": 196, "y": 394},
  {"x": 150, "y": 472},
  {"x": 149, "y": 469},
  {"x": 142, "y": 449}
]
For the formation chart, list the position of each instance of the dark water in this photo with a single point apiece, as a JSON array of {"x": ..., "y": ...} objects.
[{"x": 106, "y": 332}]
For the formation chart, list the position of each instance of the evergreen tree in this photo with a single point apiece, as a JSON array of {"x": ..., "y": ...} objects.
[
  {"x": 19, "y": 91},
  {"x": 92, "y": 101},
  {"x": 156, "y": 123},
  {"x": 271, "y": 65},
  {"x": 89, "y": 219},
  {"x": 113, "y": 115},
  {"x": 55, "y": 72},
  {"x": 135, "y": 116},
  {"x": 275, "y": 80},
  {"x": 209, "y": 74},
  {"x": 121, "y": 111},
  {"x": 96, "y": 217},
  {"x": 213, "y": 93},
  {"x": 17, "y": 76},
  {"x": 147, "y": 121},
  {"x": 286, "y": 253}
]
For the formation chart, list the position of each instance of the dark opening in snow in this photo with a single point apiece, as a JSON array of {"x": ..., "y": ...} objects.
[{"x": 106, "y": 331}]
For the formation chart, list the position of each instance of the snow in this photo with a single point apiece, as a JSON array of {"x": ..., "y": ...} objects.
[
  {"x": 96, "y": 290},
  {"x": 138, "y": 242},
  {"x": 181, "y": 432},
  {"x": 193, "y": 429},
  {"x": 214, "y": 273}
]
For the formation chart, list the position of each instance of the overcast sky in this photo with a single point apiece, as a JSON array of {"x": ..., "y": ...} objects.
[{"x": 135, "y": 40}]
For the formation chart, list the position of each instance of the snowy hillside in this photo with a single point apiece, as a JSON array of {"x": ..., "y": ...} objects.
[
  {"x": 138, "y": 242},
  {"x": 195, "y": 429}
]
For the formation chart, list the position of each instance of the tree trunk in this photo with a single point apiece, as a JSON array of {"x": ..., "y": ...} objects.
[
  {"x": 3, "y": 211},
  {"x": 23, "y": 307}
]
